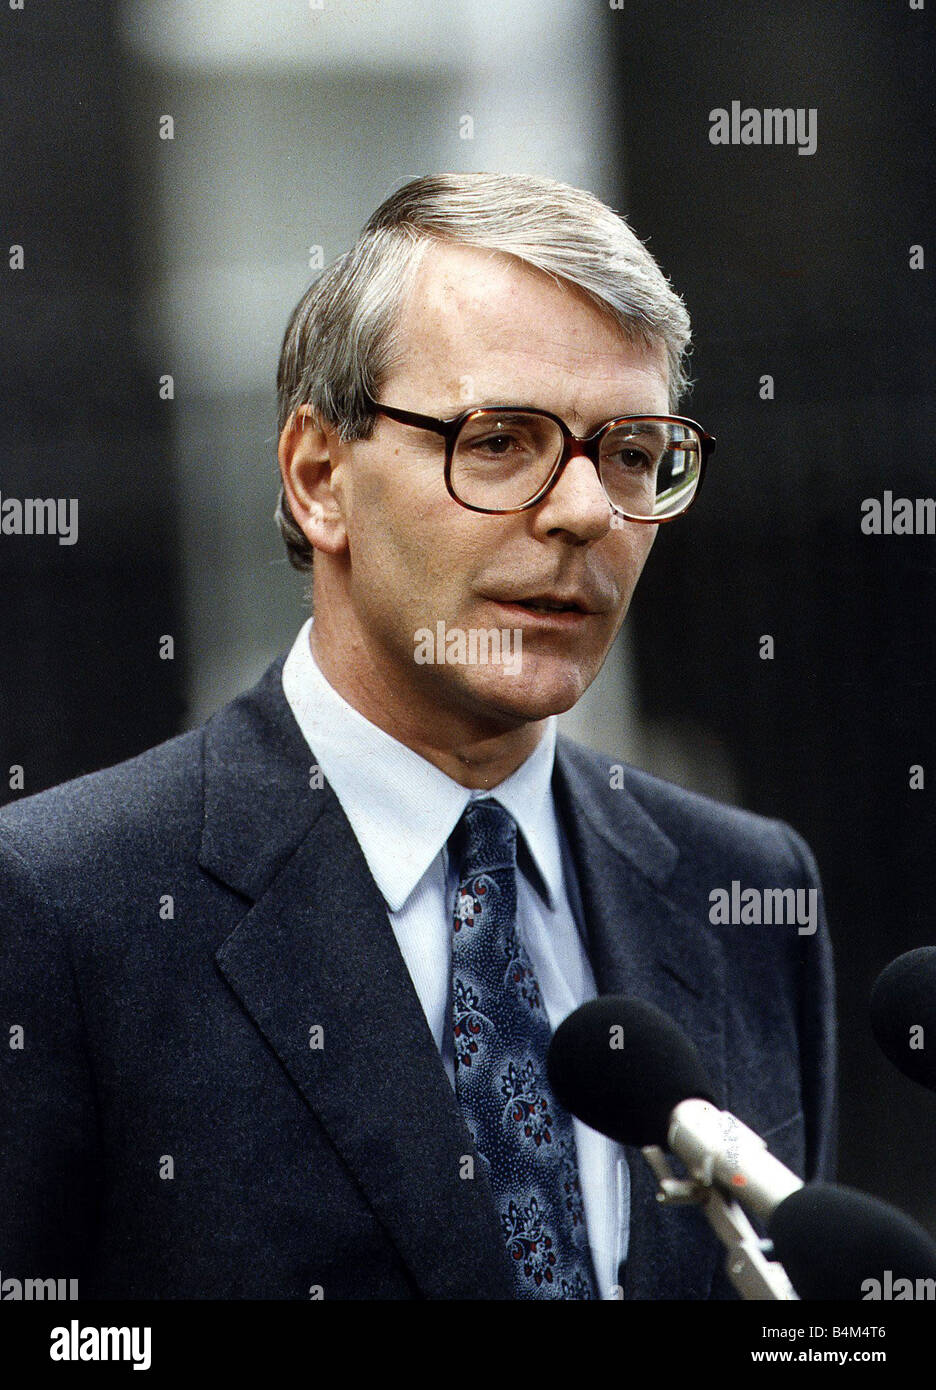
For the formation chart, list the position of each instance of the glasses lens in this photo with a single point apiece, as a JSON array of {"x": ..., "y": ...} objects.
[
  {"x": 502, "y": 458},
  {"x": 651, "y": 468}
]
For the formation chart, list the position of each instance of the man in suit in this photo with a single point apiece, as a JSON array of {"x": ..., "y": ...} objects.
[{"x": 278, "y": 992}]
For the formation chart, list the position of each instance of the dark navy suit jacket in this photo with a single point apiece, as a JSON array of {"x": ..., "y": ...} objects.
[{"x": 156, "y": 1045}]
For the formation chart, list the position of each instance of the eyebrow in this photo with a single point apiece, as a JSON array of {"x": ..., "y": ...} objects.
[
  {"x": 513, "y": 407},
  {"x": 651, "y": 429}
]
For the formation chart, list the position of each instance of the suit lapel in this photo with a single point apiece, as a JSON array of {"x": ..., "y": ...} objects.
[
  {"x": 316, "y": 950},
  {"x": 642, "y": 943}
]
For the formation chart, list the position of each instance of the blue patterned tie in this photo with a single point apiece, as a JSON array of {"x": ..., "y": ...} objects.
[{"x": 501, "y": 1037}]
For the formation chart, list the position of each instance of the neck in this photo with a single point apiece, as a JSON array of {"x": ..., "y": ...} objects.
[{"x": 478, "y": 754}]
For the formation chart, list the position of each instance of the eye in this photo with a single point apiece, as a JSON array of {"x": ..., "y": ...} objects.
[
  {"x": 497, "y": 444},
  {"x": 632, "y": 457}
]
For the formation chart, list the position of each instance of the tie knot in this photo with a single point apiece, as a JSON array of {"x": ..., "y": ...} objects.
[{"x": 484, "y": 839}]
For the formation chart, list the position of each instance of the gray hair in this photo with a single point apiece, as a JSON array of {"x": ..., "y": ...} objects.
[{"x": 341, "y": 338}]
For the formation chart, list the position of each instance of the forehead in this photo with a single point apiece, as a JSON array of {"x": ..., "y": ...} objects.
[{"x": 485, "y": 325}]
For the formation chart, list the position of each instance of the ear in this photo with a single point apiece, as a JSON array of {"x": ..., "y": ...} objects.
[{"x": 307, "y": 460}]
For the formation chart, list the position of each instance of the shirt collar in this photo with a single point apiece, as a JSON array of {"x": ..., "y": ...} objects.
[{"x": 401, "y": 807}]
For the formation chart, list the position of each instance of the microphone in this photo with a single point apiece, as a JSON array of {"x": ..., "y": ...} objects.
[
  {"x": 836, "y": 1243},
  {"x": 903, "y": 1014},
  {"x": 628, "y": 1070}
]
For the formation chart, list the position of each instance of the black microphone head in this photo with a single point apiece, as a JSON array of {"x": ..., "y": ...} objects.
[
  {"x": 903, "y": 1014},
  {"x": 833, "y": 1240},
  {"x": 622, "y": 1066}
]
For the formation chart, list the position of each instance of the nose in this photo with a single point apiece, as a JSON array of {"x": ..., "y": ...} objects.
[{"x": 576, "y": 504}]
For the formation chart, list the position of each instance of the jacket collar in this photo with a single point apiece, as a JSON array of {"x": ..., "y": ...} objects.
[{"x": 316, "y": 948}]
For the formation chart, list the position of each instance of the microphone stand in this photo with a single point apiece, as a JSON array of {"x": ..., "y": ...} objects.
[{"x": 749, "y": 1269}]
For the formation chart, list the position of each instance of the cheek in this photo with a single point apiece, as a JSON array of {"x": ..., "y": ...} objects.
[
  {"x": 644, "y": 544},
  {"x": 405, "y": 533},
  {"x": 631, "y": 549}
]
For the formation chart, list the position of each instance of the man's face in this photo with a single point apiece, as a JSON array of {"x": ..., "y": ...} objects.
[{"x": 483, "y": 329}]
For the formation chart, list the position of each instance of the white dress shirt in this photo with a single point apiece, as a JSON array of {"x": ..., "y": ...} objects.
[{"x": 402, "y": 810}]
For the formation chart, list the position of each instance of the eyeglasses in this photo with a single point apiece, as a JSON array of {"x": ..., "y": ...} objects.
[{"x": 501, "y": 459}]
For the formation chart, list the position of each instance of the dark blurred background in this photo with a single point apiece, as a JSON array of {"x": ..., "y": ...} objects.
[{"x": 147, "y": 257}]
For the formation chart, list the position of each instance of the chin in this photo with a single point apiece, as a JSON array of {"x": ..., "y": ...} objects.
[{"x": 532, "y": 693}]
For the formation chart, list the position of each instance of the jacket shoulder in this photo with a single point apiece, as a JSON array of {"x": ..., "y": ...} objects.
[
  {"x": 704, "y": 830},
  {"x": 102, "y": 817}
]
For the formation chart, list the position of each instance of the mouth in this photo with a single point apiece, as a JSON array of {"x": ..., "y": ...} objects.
[
  {"x": 545, "y": 605},
  {"x": 546, "y": 609}
]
